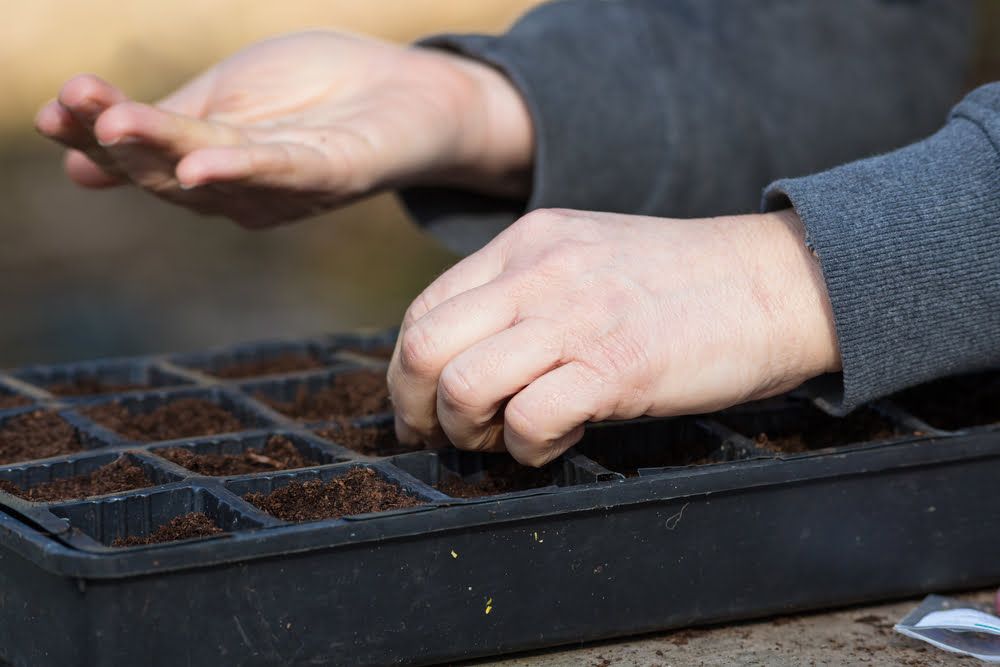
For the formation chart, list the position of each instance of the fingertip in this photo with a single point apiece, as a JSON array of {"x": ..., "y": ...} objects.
[
  {"x": 88, "y": 92},
  {"x": 50, "y": 119},
  {"x": 119, "y": 122}
]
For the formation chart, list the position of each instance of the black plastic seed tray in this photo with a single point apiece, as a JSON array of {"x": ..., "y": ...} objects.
[{"x": 767, "y": 508}]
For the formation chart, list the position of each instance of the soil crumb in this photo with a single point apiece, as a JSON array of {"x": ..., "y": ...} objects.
[
  {"x": 89, "y": 385},
  {"x": 368, "y": 440},
  {"x": 279, "y": 453},
  {"x": 120, "y": 475},
  {"x": 37, "y": 435},
  {"x": 355, "y": 394},
  {"x": 195, "y": 524},
  {"x": 359, "y": 491},
  {"x": 179, "y": 418},
  {"x": 290, "y": 362},
  {"x": 496, "y": 478}
]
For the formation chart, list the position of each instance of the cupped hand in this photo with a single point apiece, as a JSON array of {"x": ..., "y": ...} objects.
[
  {"x": 570, "y": 317},
  {"x": 298, "y": 124}
]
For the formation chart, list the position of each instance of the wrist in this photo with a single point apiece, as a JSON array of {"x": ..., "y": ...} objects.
[
  {"x": 492, "y": 147},
  {"x": 798, "y": 311}
]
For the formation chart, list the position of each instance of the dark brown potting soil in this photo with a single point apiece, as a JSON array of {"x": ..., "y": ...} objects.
[
  {"x": 354, "y": 394},
  {"x": 279, "y": 453},
  {"x": 359, "y": 491},
  {"x": 368, "y": 440},
  {"x": 179, "y": 418},
  {"x": 91, "y": 386},
  {"x": 12, "y": 401},
  {"x": 284, "y": 363},
  {"x": 955, "y": 403},
  {"x": 864, "y": 426},
  {"x": 37, "y": 435},
  {"x": 187, "y": 526},
  {"x": 120, "y": 475},
  {"x": 496, "y": 478}
]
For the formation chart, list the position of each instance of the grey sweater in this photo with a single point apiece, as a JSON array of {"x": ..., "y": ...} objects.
[{"x": 688, "y": 108}]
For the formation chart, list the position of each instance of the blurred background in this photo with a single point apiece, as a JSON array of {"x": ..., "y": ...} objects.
[{"x": 88, "y": 274}]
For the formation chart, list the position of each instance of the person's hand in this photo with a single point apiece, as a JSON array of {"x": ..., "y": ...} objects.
[
  {"x": 298, "y": 124},
  {"x": 569, "y": 317}
]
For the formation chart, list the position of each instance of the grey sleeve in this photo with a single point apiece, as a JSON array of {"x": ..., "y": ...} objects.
[
  {"x": 909, "y": 244},
  {"x": 689, "y": 108}
]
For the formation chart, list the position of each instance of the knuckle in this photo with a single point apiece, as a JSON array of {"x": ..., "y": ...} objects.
[
  {"x": 418, "y": 308},
  {"x": 541, "y": 221},
  {"x": 416, "y": 351},
  {"x": 456, "y": 391}
]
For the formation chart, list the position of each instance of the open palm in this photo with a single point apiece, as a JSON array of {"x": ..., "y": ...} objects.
[{"x": 294, "y": 125}]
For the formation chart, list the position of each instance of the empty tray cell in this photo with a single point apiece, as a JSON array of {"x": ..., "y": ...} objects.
[
  {"x": 157, "y": 417},
  {"x": 99, "y": 377},
  {"x": 243, "y": 455},
  {"x": 629, "y": 447},
  {"x": 795, "y": 426},
  {"x": 955, "y": 403},
  {"x": 259, "y": 360},
  {"x": 328, "y": 493},
  {"x": 10, "y": 400},
  {"x": 349, "y": 394},
  {"x": 476, "y": 475},
  {"x": 375, "y": 438},
  {"x": 40, "y": 434},
  {"x": 82, "y": 477},
  {"x": 153, "y": 517}
]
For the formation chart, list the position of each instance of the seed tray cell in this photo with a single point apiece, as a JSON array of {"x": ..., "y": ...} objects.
[
  {"x": 102, "y": 521},
  {"x": 645, "y": 525},
  {"x": 279, "y": 395},
  {"x": 75, "y": 381},
  {"x": 12, "y": 400},
  {"x": 316, "y": 452},
  {"x": 249, "y": 415},
  {"x": 258, "y": 360}
]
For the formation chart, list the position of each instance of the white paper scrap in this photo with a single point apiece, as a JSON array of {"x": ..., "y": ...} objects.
[{"x": 953, "y": 626}]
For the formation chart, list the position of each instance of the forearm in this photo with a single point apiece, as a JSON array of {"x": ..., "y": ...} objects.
[
  {"x": 688, "y": 108},
  {"x": 909, "y": 245}
]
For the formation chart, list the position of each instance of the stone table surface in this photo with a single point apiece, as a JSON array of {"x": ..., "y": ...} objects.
[{"x": 854, "y": 636}]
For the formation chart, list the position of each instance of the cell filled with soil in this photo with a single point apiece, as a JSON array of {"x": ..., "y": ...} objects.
[
  {"x": 629, "y": 447},
  {"x": 122, "y": 474},
  {"x": 381, "y": 351},
  {"x": 180, "y": 417},
  {"x": 290, "y": 362},
  {"x": 499, "y": 474},
  {"x": 38, "y": 434},
  {"x": 184, "y": 527},
  {"x": 799, "y": 427},
  {"x": 358, "y": 491},
  {"x": 278, "y": 453},
  {"x": 99, "y": 378},
  {"x": 375, "y": 440},
  {"x": 955, "y": 403},
  {"x": 353, "y": 394}
]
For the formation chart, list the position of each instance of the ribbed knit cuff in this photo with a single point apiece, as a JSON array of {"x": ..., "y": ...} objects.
[{"x": 909, "y": 244}]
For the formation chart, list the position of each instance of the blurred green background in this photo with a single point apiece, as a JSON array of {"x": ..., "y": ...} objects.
[{"x": 86, "y": 274}]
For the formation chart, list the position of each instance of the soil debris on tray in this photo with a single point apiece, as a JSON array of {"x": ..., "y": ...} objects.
[
  {"x": 13, "y": 401},
  {"x": 359, "y": 491},
  {"x": 37, "y": 435},
  {"x": 496, "y": 478},
  {"x": 368, "y": 440},
  {"x": 179, "y": 418},
  {"x": 187, "y": 526},
  {"x": 355, "y": 394},
  {"x": 89, "y": 385},
  {"x": 122, "y": 474},
  {"x": 290, "y": 362},
  {"x": 628, "y": 463},
  {"x": 279, "y": 453}
]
